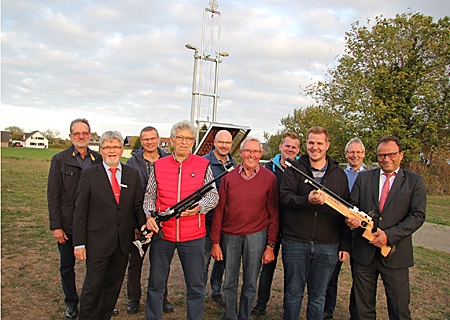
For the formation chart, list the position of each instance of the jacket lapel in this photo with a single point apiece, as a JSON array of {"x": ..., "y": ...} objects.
[
  {"x": 375, "y": 187},
  {"x": 104, "y": 180}
]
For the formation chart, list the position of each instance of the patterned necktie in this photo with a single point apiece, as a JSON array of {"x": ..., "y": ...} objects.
[
  {"x": 115, "y": 184},
  {"x": 385, "y": 190}
]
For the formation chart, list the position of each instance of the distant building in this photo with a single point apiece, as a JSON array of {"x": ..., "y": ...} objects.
[
  {"x": 128, "y": 141},
  {"x": 94, "y": 143},
  {"x": 6, "y": 139},
  {"x": 165, "y": 144},
  {"x": 34, "y": 139}
]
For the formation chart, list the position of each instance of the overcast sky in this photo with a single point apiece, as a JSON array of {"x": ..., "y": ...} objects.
[{"x": 123, "y": 65}]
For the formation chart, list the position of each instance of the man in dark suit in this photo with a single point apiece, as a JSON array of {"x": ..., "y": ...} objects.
[
  {"x": 63, "y": 177},
  {"x": 398, "y": 197},
  {"x": 107, "y": 210}
]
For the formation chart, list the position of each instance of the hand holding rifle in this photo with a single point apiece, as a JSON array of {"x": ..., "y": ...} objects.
[
  {"x": 187, "y": 207},
  {"x": 355, "y": 217}
]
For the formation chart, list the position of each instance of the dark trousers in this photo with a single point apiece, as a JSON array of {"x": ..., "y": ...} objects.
[
  {"x": 331, "y": 295},
  {"x": 104, "y": 277},
  {"x": 217, "y": 270},
  {"x": 135, "y": 262},
  {"x": 266, "y": 278},
  {"x": 396, "y": 284},
  {"x": 67, "y": 271}
]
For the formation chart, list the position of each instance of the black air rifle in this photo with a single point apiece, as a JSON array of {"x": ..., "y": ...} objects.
[
  {"x": 189, "y": 202},
  {"x": 343, "y": 207}
]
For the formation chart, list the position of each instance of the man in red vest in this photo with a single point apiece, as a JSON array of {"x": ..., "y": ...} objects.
[{"x": 170, "y": 180}]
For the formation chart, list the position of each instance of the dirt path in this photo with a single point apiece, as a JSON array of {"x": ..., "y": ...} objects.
[{"x": 432, "y": 236}]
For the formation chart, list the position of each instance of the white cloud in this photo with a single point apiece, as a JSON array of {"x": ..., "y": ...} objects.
[{"x": 123, "y": 65}]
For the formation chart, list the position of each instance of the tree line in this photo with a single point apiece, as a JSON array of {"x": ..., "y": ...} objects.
[{"x": 392, "y": 79}]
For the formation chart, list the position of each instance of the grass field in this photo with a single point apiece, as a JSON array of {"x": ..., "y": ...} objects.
[{"x": 30, "y": 261}]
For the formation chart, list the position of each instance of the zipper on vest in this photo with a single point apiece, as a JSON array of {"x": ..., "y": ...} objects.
[{"x": 177, "y": 236}]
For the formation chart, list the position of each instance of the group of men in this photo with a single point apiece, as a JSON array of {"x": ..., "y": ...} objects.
[{"x": 98, "y": 207}]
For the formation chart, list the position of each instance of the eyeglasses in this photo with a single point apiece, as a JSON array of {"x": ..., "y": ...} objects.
[
  {"x": 78, "y": 134},
  {"x": 255, "y": 152},
  {"x": 183, "y": 138},
  {"x": 224, "y": 142},
  {"x": 149, "y": 139},
  {"x": 354, "y": 152},
  {"x": 391, "y": 155},
  {"x": 114, "y": 148}
]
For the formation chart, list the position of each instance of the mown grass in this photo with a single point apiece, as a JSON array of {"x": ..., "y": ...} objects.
[
  {"x": 438, "y": 210},
  {"x": 30, "y": 261}
]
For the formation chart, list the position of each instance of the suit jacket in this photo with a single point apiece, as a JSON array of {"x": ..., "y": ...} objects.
[
  {"x": 403, "y": 213},
  {"x": 62, "y": 186},
  {"x": 99, "y": 222}
]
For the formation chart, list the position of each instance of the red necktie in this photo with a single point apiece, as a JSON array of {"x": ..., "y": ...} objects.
[
  {"x": 385, "y": 190},
  {"x": 115, "y": 184}
]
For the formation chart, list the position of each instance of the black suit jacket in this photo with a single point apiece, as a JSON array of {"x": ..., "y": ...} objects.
[
  {"x": 62, "y": 186},
  {"x": 99, "y": 222},
  {"x": 403, "y": 213}
]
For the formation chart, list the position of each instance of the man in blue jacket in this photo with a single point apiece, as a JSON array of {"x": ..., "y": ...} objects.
[
  {"x": 142, "y": 160},
  {"x": 65, "y": 170},
  {"x": 218, "y": 156}
]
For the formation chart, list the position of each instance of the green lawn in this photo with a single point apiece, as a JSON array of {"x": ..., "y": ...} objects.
[
  {"x": 29, "y": 153},
  {"x": 29, "y": 269},
  {"x": 438, "y": 210},
  {"x": 34, "y": 153}
]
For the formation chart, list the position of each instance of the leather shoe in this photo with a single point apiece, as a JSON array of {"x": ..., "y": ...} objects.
[
  {"x": 258, "y": 311},
  {"x": 115, "y": 312},
  {"x": 219, "y": 299},
  {"x": 133, "y": 306},
  {"x": 71, "y": 312},
  {"x": 167, "y": 306}
]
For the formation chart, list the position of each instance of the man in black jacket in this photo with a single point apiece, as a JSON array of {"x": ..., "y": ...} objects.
[
  {"x": 65, "y": 170},
  {"x": 314, "y": 236}
]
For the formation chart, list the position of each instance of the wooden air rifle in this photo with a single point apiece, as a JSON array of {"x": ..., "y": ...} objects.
[{"x": 343, "y": 207}]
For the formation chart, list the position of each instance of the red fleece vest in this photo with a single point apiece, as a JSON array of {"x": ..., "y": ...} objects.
[{"x": 175, "y": 182}]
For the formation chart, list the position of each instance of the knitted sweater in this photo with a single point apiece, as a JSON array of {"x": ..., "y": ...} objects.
[{"x": 246, "y": 206}]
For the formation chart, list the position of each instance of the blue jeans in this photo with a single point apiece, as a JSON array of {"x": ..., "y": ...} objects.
[
  {"x": 266, "y": 278},
  {"x": 249, "y": 248},
  {"x": 311, "y": 265},
  {"x": 217, "y": 270},
  {"x": 67, "y": 271},
  {"x": 191, "y": 254}
]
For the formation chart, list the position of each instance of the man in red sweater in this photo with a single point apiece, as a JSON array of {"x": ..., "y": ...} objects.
[{"x": 245, "y": 225}]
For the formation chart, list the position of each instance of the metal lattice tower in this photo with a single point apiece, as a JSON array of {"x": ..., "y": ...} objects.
[{"x": 205, "y": 83}]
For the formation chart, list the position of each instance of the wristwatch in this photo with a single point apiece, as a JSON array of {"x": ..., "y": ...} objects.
[{"x": 271, "y": 245}]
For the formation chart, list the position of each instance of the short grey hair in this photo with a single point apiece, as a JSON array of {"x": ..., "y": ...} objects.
[
  {"x": 354, "y": 140},
  {"x": 183, "y": 125},
  {"x": 83, "y": 120},
  {"x": 110, "y": 136},
  {"x": 251, "y": 139}
]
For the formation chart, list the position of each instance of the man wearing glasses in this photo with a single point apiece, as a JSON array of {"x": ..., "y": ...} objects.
[
  {"x": 218, "y": 156},
  {"x": 245, "y": 226},
  {"x": 65, "y": 171},
  {"x": 108, "y": 208},
  {"x": 142, "y": 160},
  {"x": 399, "y": 198},
  {"x": 171, "y": 179}
]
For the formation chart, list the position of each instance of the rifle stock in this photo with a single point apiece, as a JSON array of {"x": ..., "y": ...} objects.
[{"x": 343, "y": 207}]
